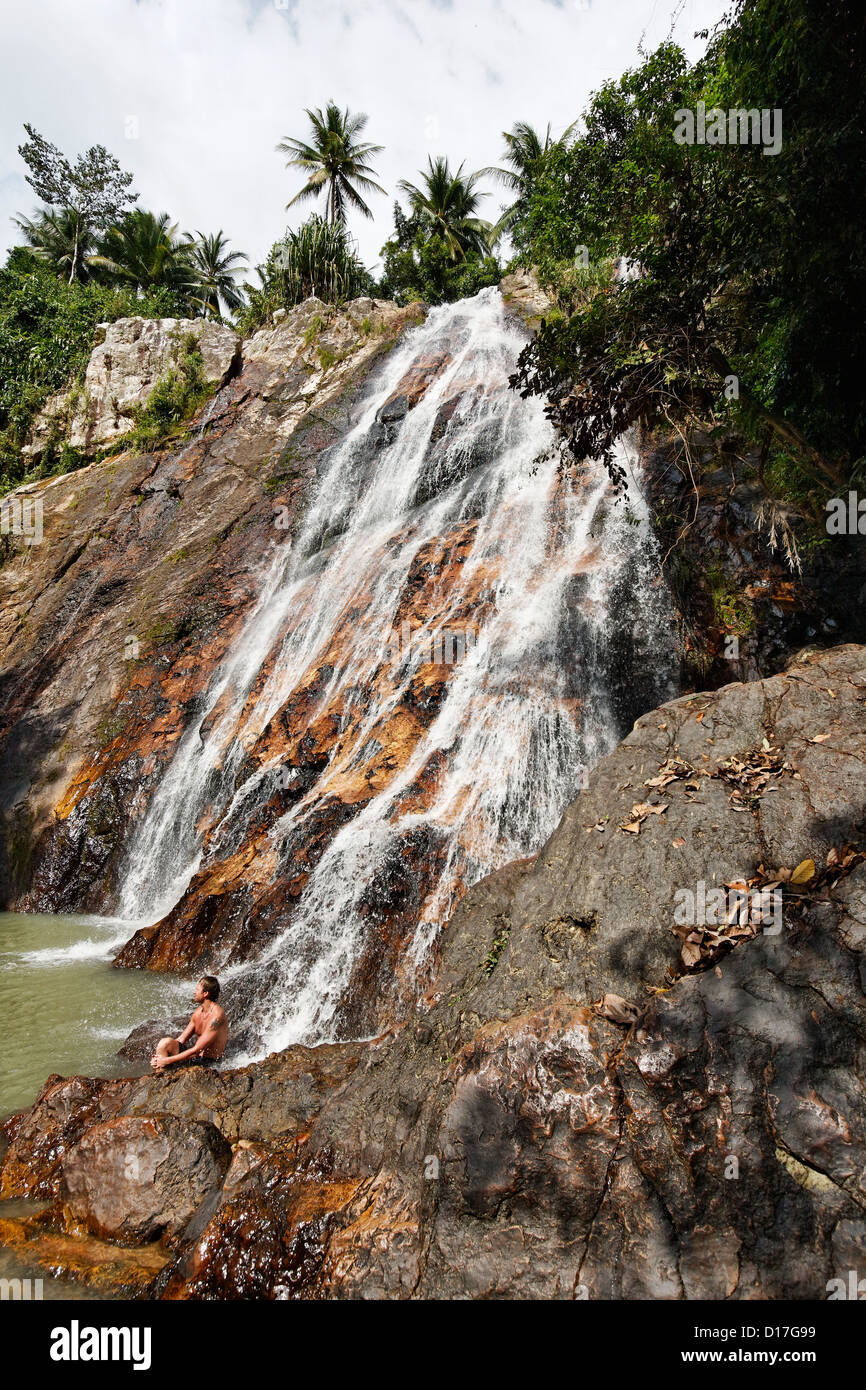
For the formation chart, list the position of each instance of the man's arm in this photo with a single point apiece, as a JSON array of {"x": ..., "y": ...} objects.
[
  {"x": 205, "y": 1039},
  {"x": 187, "y": 1032}
]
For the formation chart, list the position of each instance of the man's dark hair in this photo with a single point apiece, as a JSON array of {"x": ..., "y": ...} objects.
[{"x": 212, "y": 985}]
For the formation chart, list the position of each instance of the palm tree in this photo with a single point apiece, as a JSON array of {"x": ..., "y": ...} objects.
[
  {"x": 334, "y": 159},
  {"x": 144, "y": 252},
  {"x": 215, "y": 269},
  {"x": 528, "y": 155},
  {"x": 59, "y": 237},
  {"x": 446, "y": 208}
]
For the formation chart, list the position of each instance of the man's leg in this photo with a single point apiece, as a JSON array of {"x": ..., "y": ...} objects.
[{"x": 167, "y": 1047}]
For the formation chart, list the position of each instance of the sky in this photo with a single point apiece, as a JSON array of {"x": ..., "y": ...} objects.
[{"x": 192, "y": 96}]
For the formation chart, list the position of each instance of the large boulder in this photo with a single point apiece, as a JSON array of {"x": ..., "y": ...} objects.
[
  {"x": 274, "y": 1099},
  {"x": 531, "y": 1135},
  {"x": 578, "y": 1109},
  {"x": 39, "y": 1137},
  {"x": 137, "y": 1178},
  {"x": 123, "y": 370}
]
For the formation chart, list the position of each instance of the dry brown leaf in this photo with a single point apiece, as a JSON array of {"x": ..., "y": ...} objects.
[
  {"x": 804, "y": 872},
  {"x": 631, "y": 827},
  {"x": 617, "y": 1009},
  {"x": 641, "y": 809},
  {"x": 820, "y": 738},
  {"x": 678, "y": 842},
  {"x": 691, "y": 953}
]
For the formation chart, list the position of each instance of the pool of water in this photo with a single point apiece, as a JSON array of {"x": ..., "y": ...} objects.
[{"x": 62, "y": 1006}]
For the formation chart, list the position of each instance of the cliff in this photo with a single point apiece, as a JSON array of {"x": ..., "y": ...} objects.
[
  {"x": 284, "y": 689},
  {"x": 581, "y": 1106},
  {"x": 113, "y": 625}
]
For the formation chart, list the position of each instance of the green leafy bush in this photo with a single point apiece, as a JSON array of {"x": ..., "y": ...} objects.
[
  {"x": 318, "y": 259},
  {"x": 47, "y": 332},
  {"x": 746, "y": 310},
  {"x": 174, "y": 400},
  {"x": 418, "y": 265}
]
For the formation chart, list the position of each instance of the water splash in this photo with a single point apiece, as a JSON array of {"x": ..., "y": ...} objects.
[{"x": 554, "y": 580}]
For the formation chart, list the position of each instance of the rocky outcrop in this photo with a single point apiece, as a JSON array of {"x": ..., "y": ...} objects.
[
  {"x": 582, "y": 1107},
  {"x": 113, "y": 625},
  {"x": 123, "y": 370},
  {"x": 270, "y": 1100},
  {"x": 524, "y": 296},
  {"x": 135, "y": 1179},
  {"x": 754, "y": 579}
]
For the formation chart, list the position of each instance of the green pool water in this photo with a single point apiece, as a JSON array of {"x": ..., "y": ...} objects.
[{"x": 62, "y": 1006}]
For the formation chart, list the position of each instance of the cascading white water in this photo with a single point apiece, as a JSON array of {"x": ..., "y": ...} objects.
[{"x": 527, "y": 705}]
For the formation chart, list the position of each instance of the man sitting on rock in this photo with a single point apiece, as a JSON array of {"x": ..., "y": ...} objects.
[{"x": 209, "y": 1025}]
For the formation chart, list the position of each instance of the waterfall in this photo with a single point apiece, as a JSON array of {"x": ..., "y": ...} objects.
[{"x": 534, "y": 583}]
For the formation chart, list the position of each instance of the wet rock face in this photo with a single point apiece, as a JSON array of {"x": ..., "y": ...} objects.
[
  {"x": 112, "y": 626},
  {"x": 512, "y": 1141},
  {"x": 744, "y": 608},
  {"x": 270, "y": 1100},
  {"x": 114, "y": 1270},
  {"x": 142, "y": 1041},
  {"x": 121, "y": 374},
  {"x": 135, "y": 1179},
  {"x": 38, "y": 1138}
]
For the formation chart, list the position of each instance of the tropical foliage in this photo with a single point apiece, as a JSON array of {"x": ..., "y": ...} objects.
[
  {"x": 92, "y": 193},
  {"x": 743, "y": 305},
  {"x": 318, "y": 259},
  {"x": 57, "y": 237},
  {"x": 87, "y": 232},
  {"x": 335, "y": 161},
  {"x": 527, "y": 157},
  {"x": 215, "y": 267},
  {"x": 145, "y": 252},
  {"x": 47, "y": 331},
  {"x": 441, "y": 250}
]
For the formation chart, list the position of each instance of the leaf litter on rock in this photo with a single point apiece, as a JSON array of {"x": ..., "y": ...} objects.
[
  {"x": 639, "y": 813},
  {"x": 703, "y": 945}
]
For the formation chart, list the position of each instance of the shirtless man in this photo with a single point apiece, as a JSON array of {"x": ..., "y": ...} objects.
[{"x": 208, "y": 1023}]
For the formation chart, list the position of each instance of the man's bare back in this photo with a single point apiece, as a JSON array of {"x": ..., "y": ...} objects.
[{"x": 208, "y": 1025}]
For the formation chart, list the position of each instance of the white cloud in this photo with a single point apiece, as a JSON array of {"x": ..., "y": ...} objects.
[{"x": 212, "y": 85}]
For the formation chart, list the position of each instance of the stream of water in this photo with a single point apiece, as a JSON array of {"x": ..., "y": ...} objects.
[
  {"x": 552, "y": 568},
  {"x": 554, "y": 579}
]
